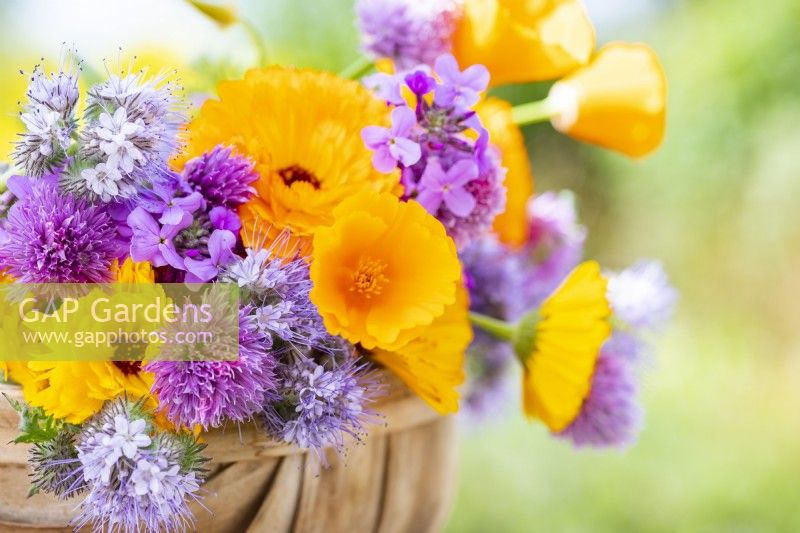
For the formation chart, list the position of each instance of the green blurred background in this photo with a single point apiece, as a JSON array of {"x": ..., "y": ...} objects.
[{"x": 718, "y": 204}]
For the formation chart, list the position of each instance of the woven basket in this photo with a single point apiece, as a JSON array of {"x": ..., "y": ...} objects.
[{"x": 401, "y": 479}]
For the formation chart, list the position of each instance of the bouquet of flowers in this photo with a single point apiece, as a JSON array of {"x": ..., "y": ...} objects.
[{"x": 378, "y": 220}]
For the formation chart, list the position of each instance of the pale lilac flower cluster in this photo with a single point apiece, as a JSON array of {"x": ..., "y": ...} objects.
[
  {"x": 320, "y": 403},
  {"x": 457, "y": 178},
  {"x": 49, "y": 118},
  {"x": 135, "y": 477},
  {"x": 409, "y": 32}
]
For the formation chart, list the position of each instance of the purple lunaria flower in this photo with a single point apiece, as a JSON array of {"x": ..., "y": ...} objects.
[
  {"x": 154, "y": 242},
  {"x": 52, "y": 237},
  {"x": 166, "y": 200},
  {"x": 437, "y": 186},
  {"x": 610, "y": 415},
  {"x": 408, "y": 32},
  {"x": 209, "y": 392},
  {"x": 392, "y": 145},
  {"x": 220, "y": 249},
  {"x": 459, "y": 89},
  {"x": 642, "y": 296},
  {"x": 222, "y": 177},
  {"x": 319, "y": 405},
  {"x": 135, "y": 477}
]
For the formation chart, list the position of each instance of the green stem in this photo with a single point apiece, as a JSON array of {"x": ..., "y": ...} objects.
[
  {"x": 493, "y": 326},
  {"x": 257, "y": 41},
  {"x": 532, "y": 112},
  {"x": 357, "y": 68}
]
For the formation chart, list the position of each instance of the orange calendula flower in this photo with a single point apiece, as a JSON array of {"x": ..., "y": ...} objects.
[
  {"x": 302, "y": 128},
  {"x": 524, "y": 40},
  {"x": 132, "y": 272},
  {"x": 618, "y": 101},
  {"x": 432, "y": 364},
  {"x": 382, "y": 270},
  {"x": 511, "y": 225},
  {"x": 562, "y": 349}
]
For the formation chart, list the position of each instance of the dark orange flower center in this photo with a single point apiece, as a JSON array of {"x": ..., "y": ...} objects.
[{"x": 295, "y": 173}]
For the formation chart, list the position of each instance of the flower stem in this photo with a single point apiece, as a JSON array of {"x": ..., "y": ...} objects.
[
  {"x": 532, "y": 112},
  {"x": 357, "y": 68},
  {"x": 257, "y": 40},
  {"x": 497, "y": 328}
]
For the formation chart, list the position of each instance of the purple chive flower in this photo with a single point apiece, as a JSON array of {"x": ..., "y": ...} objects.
[
  {"x": 135, "y": 478},
  {"x": 486, "y": 392},
  {"x": 210, "y": 392},
  {"x": 164, "y": 199},
  {"x": 437, "y": 187},
  {"x": 392, "y": 145},
  {"x": 625, "y": 345},
  {"x": 554, "y": 244},
  {"x": 154, "y": 242},
  {"x": 222, "y": 177},
  {"x": 610, "y": 415},
  {"x": 493, "y": 277},
  {"x": 51, "y": 237},
  {"x": 642, "y": 296},
  {"x": 459, "y": 89},
  {"x": 318, "y": 406},
  {"x": 220, "y": 249},
  {"x": 409, "y": 32}
]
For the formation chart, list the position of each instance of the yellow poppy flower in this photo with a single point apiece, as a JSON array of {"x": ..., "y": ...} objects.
[
  {"x": 524, "y": 40},
  {"x": 618, "y": 101},
  {"x": 384, "y": 269},
  {"x": 132, "y": 272},
  {"x": 511, "y": 225},
  {"x": 432, "y": 364},
  {"x": 302, "y": 128},
  {"x": 570, "y": 328}
]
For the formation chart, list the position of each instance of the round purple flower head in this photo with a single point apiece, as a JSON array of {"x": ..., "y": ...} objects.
[
  {"x": 610, "y": 416},
  {"x": 409, "y": 32},
  {"x": 554, "y": 245},
  {"x": 221, "y": 177},
  {"x": 487, "y": 392},
  {"x": 209, "y": 392},
  {"x": 51, "y": 237},
  {"x": 642, "y": 296},
  {"x": 493, "y": 278}
]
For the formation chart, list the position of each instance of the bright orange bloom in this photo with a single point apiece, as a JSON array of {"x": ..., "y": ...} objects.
[
  {"x": 131, "y": 272},
  {"x": 618, "y": 101},
  {"x": 432, "y": 364},
  {"x": 524, "y": 40},
  {"x": 511, "y": 225},
  {"x": 302, "y": 128},
  {"x": 571, "y": 326},
  {"x": 382, "y": 270}
]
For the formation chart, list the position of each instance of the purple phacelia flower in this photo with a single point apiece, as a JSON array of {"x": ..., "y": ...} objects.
[
  {"x": 210, "y": 392},
  {"x": 408, "y": 32},
  {"x": 610, "y": 415},
  {"x": 222, "y": 177},
  {"x": 52, "y": 237}
]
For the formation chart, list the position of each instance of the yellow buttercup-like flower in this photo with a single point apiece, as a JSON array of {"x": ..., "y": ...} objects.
[
  {"x": 74, "y": 391},
  {"x": 382, "y": 270},
  {"x": 524, "y": 40},
  {"x": 618, "y": 101},
  {"x": 302, "y": 128},
  {"x": 432, "y": 364},
  {"x": 132, "y": 272},
  {"x": 511, "y": 225},
  {"x": 570, "y": 328}
]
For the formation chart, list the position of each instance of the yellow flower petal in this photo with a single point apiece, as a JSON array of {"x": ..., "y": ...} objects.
[
  {"x": 524, "y": 40},
  {"x": 618, "y": 101},
  {"x": 432, "y": 363},
  {"x": 131, "y": 272},
  {"x": 383, "y": 269},
  {"x": 511, "y": 225},
  {"x": 573, "y": 326}
]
